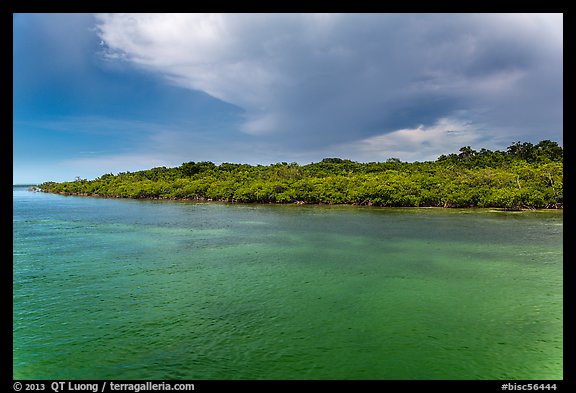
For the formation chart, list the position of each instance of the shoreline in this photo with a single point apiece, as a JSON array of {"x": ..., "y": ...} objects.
[{"x": 559, "y": 207}]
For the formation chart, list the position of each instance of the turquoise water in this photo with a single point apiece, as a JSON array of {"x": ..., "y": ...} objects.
[{"x": 125, "y": 289}]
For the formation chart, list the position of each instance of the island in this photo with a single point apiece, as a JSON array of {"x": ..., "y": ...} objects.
[{"x": 525, "y": 176}]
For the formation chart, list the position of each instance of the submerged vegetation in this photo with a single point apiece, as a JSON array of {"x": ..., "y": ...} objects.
[{"x": 523, "y": 176}]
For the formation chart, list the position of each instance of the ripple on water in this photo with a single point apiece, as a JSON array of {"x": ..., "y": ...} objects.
[{"x": 112, "y": 289}]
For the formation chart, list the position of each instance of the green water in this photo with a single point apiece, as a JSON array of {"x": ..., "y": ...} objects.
[{"x": 124, "y": 289}]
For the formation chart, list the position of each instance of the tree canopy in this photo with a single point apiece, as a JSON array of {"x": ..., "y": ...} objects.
[{"x": 523, "y": 176}]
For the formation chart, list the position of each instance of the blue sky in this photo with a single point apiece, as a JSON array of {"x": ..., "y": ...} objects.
[{"x": 108, "y": 93}]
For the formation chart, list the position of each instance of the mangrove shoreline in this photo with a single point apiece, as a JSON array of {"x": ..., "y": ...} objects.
[
  {"x": 526, "y": 176},
  {"x": 300, "y": 203}
]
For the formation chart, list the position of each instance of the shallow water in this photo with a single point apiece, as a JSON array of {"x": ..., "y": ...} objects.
[{"x": 125, "y": 289}]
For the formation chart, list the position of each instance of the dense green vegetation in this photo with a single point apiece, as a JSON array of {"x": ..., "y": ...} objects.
[{"x": 524, "y": 176}]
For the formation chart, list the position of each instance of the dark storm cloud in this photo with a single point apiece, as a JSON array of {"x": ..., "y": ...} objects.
[
  {"x": 307, "y": 81},
  {"x": 116, "y": 92}
]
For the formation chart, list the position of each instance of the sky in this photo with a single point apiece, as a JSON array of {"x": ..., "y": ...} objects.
[{"x": 110, "y": 93}]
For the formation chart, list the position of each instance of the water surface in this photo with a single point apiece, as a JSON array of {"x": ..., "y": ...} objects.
[{"x": 126, "y": 289}]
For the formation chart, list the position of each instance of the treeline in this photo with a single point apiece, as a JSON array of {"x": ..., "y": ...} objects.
[{"x": 523, "y": 176}]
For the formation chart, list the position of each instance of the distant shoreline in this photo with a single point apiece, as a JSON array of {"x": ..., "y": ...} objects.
[
  {"x": 524, "y": 177},
  {"x": 298, "y": 203}
]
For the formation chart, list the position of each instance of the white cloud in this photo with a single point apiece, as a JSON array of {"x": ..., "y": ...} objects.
[
  {"x": 331, "y": 79},
  {"x": 417, "y": 144}
]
